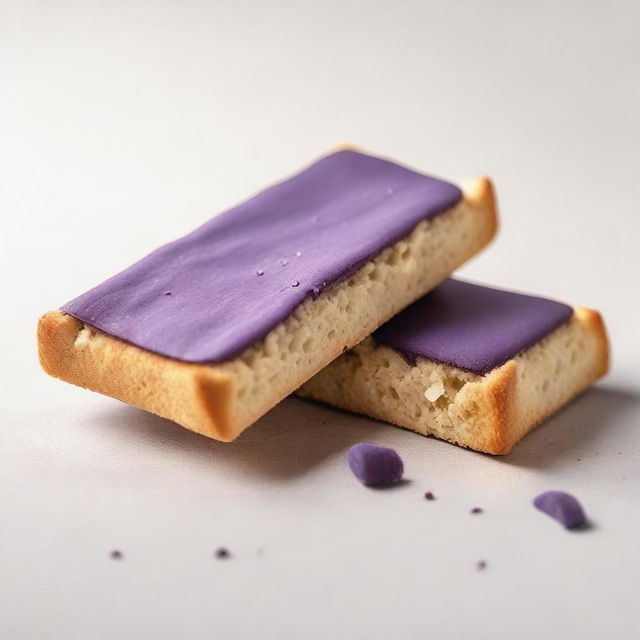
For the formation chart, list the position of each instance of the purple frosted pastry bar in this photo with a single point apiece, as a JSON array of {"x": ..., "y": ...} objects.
[
  {"x": 214, "y": 329},
  {"x": 470, "y": 364}
]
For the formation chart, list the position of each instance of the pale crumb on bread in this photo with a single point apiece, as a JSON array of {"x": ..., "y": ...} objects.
[
  {"x": 221, "y": 400},
  {"x": 489, "y": 412}
]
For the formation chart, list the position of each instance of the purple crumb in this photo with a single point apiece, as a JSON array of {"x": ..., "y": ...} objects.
[
  {"x": 375, "y": 466},
  {"x": 476, "y": 510},
  {"x": 116, "y": 554},
  {"x": 482, "y": 564},
  {"x": 222, "y": 553},
  {"x": 562, "y": 507},
  {"x": 429, "y": 496}
]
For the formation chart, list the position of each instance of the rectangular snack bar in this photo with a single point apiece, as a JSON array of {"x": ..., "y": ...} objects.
[
  {"x": 214, "y": 329},
  {"x": 477, "y": 366}
]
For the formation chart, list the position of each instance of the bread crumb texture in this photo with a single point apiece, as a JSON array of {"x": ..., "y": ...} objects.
[{"x": 485, "y": 412}]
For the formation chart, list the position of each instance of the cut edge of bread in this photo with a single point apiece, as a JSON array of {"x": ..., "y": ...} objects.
[
  {"x": 221, "y": 400},
  {"x": 488, "y": 413}
]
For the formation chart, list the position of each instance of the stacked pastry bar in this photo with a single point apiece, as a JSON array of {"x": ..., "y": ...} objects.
[
  {"x": 213, "y": 329},
  {"x": 473, "y": 365}
]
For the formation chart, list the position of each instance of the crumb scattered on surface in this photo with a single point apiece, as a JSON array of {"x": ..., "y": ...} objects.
[
  {"x": 374, "y": 465},
  {"x": 481, "y": 564},
  {"x": 222, "y": 553},
  {"x": 561, "y": 506},
  {"x": 429, "y": 496},
  {"x": 476, "y": 510},
  {"x": 116, "y": 554}
]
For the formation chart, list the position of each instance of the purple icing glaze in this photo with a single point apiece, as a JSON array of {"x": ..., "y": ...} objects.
[
  {"x": 375, "y": 466},
  {"x": 561, "y": 506},
  {"x": 472, "y": 327},
  {"x": 239, "y": 275}
]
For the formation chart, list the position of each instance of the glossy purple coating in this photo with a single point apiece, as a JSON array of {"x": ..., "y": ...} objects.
[
  {"x": 470, "y": 326},
  {"x": 210, "y": 295},
  {"x": 375, "y": 466},
  {"x": 561, "y": 506}
]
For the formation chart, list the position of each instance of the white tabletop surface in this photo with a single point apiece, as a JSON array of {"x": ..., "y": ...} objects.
[{"x": 124, "y": 125}]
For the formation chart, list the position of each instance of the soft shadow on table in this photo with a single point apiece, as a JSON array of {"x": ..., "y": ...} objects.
[
  {"x": 291, "y": 440},
  {"x": 589, "y": 424},
  {"x": 296, "y": 436}
]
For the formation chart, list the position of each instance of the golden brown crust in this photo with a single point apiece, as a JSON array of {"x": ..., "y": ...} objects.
[
  {"x": 195, "y": 396},
  {"x": 594, "y": 323},
  {"x": 480, "y": 191},
  {"x": 221, "y": 400},
  {"x": 501, "y": 397},
  {"x": 510, "y": 421}
]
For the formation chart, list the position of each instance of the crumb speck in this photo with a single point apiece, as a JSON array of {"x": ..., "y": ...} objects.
[
  {"x": 283, "y": 262},
  {"x": 561, "y": 506},
  {"x": 295, "y": 283},
  {"x": 375, "y": 466},
  {"x": 116, "y": 554},
  {"x": 476, "y": 510},
  {"x": 298, "y": 254},
  {"x": 168, "y": 293},
  {"x": 481, "y": 564},
  {"x": 429, "y": 496},
  {"x": 222, "y": 553},
  {"x": 260, "y": 272}
]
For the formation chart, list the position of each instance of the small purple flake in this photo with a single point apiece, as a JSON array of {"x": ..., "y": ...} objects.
[
  {"x": 116, "y": 554},
  {"x": 562, "y": 507},
  {"x": 481, "y": 565},
  {"x": 295, "y": 283},
  {"x": 168, "y": 293},
  {"x": 260, "y": 272},
  {"x": 375, "y": 466},
  {"x": 429, "y": 496},
  {"x": 222, "y": 553},
  {"x": 476, "y": 510}
]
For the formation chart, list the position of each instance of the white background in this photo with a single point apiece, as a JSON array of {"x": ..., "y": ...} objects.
[{"x": 125, "y": 124}]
